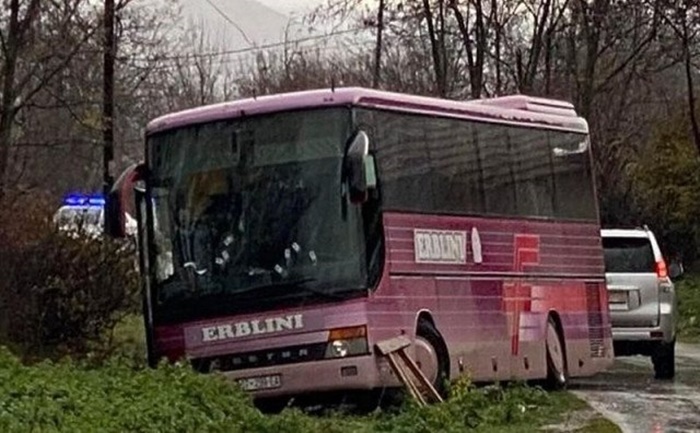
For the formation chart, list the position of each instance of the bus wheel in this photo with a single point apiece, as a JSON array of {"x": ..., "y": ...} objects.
[
  {"x": 431, "y": 356},
  {"x": 557, "y": 376}
]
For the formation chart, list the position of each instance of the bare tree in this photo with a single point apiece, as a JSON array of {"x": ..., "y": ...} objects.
[
  {"x": 14, "y": 39},
  {"x": 476, "y": 48},
  {"x": 683, "y": 18},
  {"x": 30, "y": 62}
]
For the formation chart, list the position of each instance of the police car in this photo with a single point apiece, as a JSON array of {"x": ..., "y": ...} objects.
[{"x": 84, "y": 215}]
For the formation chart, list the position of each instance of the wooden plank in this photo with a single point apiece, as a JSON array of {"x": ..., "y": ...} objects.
[
  {"x": 403, "y": 375},
  {"x": 422, "y": 380},
  {"x": 393, "y": 344},
  {"x": 414, "y": 380}
]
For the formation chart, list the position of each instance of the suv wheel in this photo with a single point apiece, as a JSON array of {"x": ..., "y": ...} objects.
[{"x": 664, "y": 360}]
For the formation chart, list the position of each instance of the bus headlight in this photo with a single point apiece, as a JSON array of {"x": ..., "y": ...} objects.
[
  {"x": 344, "y": 342},
  {"x": 339, "y": 349}
]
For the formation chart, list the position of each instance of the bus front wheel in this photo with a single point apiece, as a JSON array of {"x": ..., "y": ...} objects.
[
  {"x": 557, "y": 377},
  {"x": 432, "y": 356}
]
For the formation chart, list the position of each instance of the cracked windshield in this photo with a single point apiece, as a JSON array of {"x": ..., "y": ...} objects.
[{"x": 244, "y": 206}]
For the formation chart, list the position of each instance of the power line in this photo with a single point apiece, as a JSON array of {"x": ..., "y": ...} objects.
[
  {"x": 230, "y": 21},
  {"x": 230, "y": 60},
  {"x": 214, "y": 54}
]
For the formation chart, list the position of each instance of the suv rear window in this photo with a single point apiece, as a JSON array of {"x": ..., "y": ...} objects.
[{"x": 630, "y": 255}]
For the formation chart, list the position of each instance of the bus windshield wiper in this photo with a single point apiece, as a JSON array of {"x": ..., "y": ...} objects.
[
  {"x": 300, "y": 283},
  {"x": 274, "y": 285}
]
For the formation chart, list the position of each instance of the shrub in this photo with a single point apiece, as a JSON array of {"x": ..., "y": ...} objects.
[
  {"x": 69, "y": 396},
  {"x": 60, "y": 293},
  {"x": 688, "y": 292},
  {"x": 471, "y": 408}
]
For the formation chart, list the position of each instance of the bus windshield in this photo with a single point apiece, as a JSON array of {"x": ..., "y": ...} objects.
[{"x": 253, "y": 210}]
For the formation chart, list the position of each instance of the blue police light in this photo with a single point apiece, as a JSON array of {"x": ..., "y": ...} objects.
[
  {"x": 84, "y": 200},
  {"x": 96, "y": 201}
]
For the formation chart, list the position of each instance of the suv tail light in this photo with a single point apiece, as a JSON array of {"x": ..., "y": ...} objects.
[{"x": 661, "y": 270}]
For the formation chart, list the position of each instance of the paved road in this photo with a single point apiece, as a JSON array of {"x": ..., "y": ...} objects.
[{"x": 630, "y": 396}]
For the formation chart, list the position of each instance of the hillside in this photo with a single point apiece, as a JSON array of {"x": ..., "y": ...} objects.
[{"x": 237, "y": 24}]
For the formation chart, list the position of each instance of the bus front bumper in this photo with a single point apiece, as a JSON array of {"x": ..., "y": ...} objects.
[{"x": 344, "y": 374}]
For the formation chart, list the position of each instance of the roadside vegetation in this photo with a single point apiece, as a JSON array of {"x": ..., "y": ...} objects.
[
  {"x": 70, "y": 396},
  {"x": 688, "y": 291}
]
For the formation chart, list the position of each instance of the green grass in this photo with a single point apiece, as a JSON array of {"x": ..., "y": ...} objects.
[
  {"x": 74, "y": 397},
  {"x": 124, "y": 395},
  {"x": 575, "y": 415},
  {"x": 688, "y": 292},
  {"x": 599, "y": 425}
]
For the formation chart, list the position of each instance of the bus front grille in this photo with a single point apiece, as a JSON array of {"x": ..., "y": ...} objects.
[{"x": 261, "y": 358}]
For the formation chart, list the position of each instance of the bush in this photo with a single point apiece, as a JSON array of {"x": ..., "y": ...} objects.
[
  {"x": 688, "y": 292},
  {"x": 666, "y": 182},
  {"x": 60, "y": 294},
  {"x": 472, "y": 408},
  {"x": 69, "y": 396}
]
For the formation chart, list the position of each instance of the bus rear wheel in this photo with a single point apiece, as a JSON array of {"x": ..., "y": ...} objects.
[
  {"x": 432, "y": 356},
  {"x": 557, "y": 377}
]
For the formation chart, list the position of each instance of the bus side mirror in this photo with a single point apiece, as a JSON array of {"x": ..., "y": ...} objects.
[
  {"x": 360, "y": 168},
  {"x": 116, "y": 200}
]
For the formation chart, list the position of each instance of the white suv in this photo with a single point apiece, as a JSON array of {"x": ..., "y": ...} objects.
[{"x": 642, "y": 298}]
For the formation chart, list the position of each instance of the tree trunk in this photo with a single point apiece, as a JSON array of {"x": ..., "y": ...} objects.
[
  {"x": 108, "y": 96},
  {"x": 435, "y": 49},
  {"x": 688, "y": 64},
  {"x": 475, "y": 60},
  {"x": 14, "y": 40},
  {"x": 498, "y": 28},
  {"x": 481, "y": 46},
  {"x": 591, "y": 17},
  {"x": 7, "y": 110},
  {"x": 535, "y": 50}
]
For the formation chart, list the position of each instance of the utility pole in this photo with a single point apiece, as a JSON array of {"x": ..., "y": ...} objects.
[
  {"x": 378, "y": 48},
  {"x": 108, "y": 97}
]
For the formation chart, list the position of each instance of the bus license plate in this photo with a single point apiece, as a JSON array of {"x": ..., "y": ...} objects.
[
  {"x": 617, "y": 296},
  {"x": 261, "y": 382}
]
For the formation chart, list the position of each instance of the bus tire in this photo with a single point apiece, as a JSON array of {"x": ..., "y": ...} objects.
[
  {"x": 557, "y": 375},
  {"x": 431, "y": 345}
]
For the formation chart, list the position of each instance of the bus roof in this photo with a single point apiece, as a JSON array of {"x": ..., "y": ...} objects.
[{"x": 517, "y": 109}]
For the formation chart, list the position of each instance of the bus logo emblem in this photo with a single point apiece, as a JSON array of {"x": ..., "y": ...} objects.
[
  {"x": 476, "y": 246},
  {"x": 440, "y": 246}
]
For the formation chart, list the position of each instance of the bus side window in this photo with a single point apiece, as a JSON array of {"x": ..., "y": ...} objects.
[
  {"x": 533, "y": 172},
  {"x": 496, "y": 169},
  {"x": 455, "y": 167},
  {"x": 572, "y": 177},
  {"x": 403, "y": 163}
]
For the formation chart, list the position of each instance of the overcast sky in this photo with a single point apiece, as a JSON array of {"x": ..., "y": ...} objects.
[
  {"x": 289, "y": 7},
  {"x": 242, "y": 24}
]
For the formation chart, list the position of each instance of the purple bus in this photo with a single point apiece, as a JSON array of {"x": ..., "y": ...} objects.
[{"x": 283, "y": 236}]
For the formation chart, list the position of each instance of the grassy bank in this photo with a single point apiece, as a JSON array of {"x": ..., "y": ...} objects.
[
  {"x": 688, "y": 292},
  {"x": 117, "y": 397}
]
